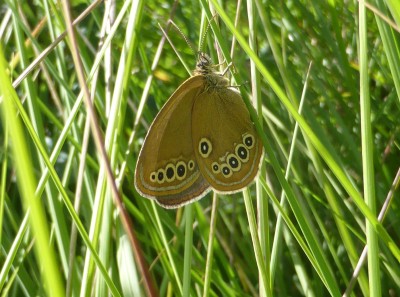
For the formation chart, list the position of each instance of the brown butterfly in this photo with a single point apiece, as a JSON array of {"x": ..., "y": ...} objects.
[{"x": 202, "y": 139}]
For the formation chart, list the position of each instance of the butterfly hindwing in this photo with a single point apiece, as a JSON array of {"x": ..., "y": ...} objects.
[{"x": 226, "y": 145}]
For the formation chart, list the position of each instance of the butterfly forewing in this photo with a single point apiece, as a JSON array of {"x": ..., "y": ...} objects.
[{"x": 167, "y": 169}]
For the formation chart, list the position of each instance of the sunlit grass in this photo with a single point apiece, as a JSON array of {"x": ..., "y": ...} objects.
[{"x": 299, "y": 230}]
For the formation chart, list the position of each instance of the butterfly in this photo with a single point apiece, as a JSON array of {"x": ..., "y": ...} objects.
[{"x": 203, "y": 138}]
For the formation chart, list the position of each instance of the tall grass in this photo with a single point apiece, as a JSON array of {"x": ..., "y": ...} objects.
[{"x": 320, "y": 220}]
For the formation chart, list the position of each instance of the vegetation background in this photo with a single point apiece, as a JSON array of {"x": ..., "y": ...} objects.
[{"x": 331, "y": 139}]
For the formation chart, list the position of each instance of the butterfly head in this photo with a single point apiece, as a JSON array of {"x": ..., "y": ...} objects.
[{"x": 203, "y": 65}]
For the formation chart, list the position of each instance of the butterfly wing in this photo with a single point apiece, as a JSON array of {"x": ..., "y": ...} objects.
[
  {"x": 166, "y": 169},
  {"x": 227, "y": 147}
]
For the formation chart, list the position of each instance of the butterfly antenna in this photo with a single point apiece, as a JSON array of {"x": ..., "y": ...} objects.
[
  {"x": 183, "y": 35},
  {"x": 206, "y": 31},
  {"x": 173, "y": 47}
]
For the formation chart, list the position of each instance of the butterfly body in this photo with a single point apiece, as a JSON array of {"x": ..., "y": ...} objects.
[{"x": 202, "y": 139}]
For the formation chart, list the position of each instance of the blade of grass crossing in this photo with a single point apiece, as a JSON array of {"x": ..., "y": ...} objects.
[
  {"x": 367, "y": 156},
  {"x": 44, "y": 253}
]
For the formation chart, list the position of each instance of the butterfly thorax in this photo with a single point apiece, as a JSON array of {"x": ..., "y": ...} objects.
[{"x": 213, "y": 79}]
